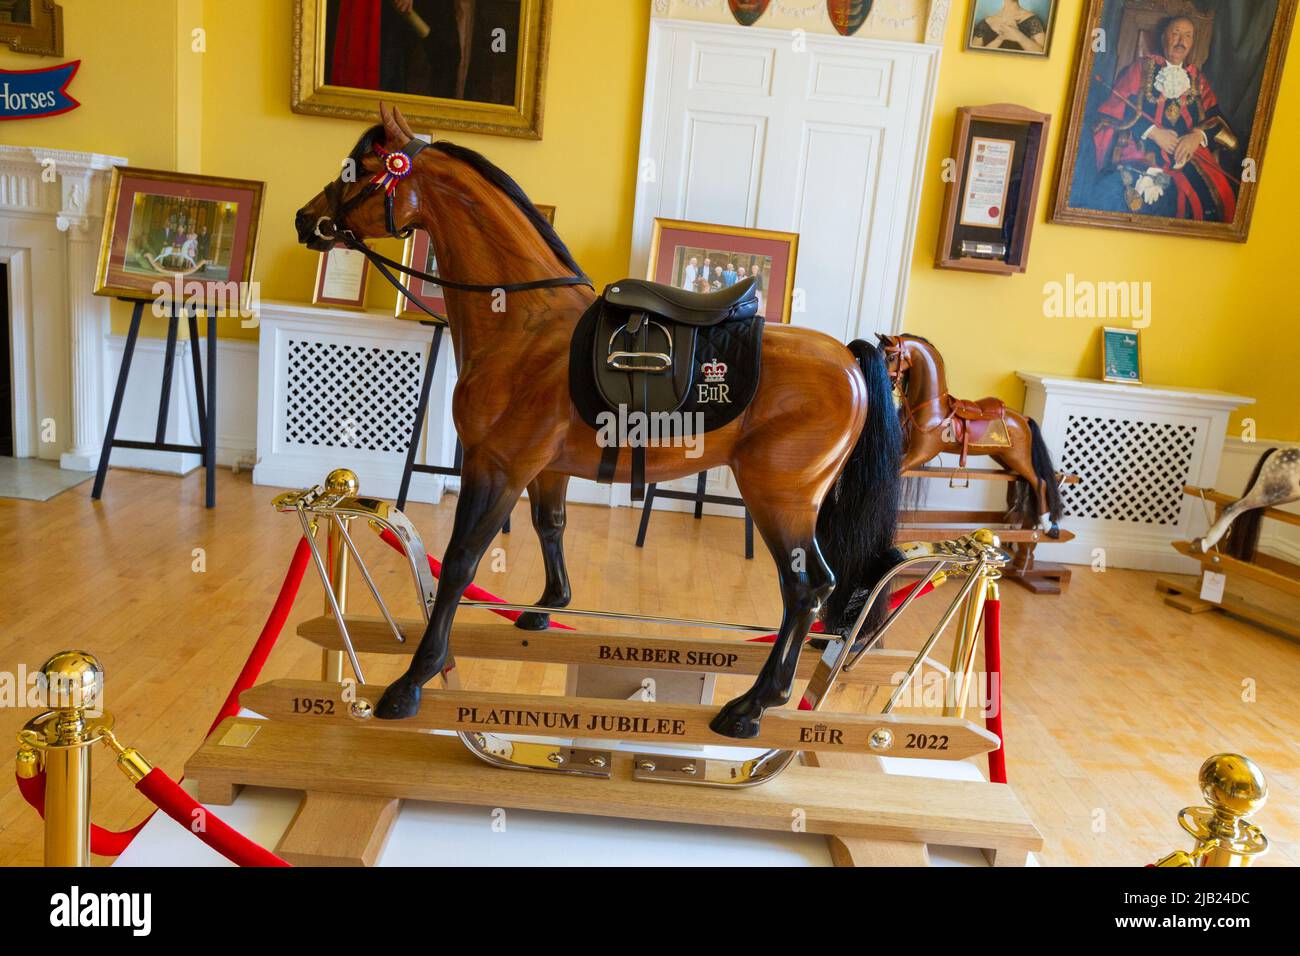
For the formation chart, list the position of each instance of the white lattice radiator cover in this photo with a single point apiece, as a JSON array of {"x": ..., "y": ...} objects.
[
  {"x": 1134, "y": 448},
  {"x": 339, "y": 389}
]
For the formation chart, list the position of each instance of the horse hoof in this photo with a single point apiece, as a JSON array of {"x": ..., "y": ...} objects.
[
  {"x": 533, "y": 621},
  {"x": 1054, "y": 532},
  {"x": 400, "y": 701},
  {"x": 739, "y": 719}
]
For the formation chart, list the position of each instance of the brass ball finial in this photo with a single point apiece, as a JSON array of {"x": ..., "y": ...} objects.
[
  {"x": 73, "y": 679},
  {"x": 341, "y": 481},
  {"x": 987, "y": 538},
  {"x": 1233, "y": 784}
]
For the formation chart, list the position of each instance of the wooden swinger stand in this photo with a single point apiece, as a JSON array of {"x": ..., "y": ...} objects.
[
  {"x": 1282, "y": 576},
  {"x": 320, "y": 737},
  {"x": 1040, "y": 577}
]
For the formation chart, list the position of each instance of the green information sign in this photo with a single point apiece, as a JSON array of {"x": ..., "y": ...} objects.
[{"x": 1121, "y": 356}]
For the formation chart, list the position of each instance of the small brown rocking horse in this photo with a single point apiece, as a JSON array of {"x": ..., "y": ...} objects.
[
  {"x": 815, "y": 452},
  {"x": 934, "y": 422}
]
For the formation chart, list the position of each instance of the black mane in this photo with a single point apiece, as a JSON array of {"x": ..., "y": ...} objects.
[{"x": 489, "y": 171}]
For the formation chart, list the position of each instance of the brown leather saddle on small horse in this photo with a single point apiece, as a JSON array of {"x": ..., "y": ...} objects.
[
  {"x": 659, "y": 358},
  {"x": 979, "y": 425}
]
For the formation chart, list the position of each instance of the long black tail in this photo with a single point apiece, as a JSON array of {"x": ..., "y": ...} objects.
[
  {"x": 1045, "y": 471},
  {"x": 1242, "y": 538},
  {"x": 859, "y": 518}
]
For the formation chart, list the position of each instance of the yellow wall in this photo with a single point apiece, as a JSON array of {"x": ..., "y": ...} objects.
[
  {"x": 1223, "y": 316},
  {"x": 585, "y": 166}
]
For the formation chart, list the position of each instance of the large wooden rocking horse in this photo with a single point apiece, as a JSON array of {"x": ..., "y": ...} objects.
[
  {"x": 815, "y": 451},
  {"x": 934, "y": 422}
]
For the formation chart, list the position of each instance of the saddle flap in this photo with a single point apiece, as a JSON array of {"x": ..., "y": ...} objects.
[{"x": 641, "y": 364}]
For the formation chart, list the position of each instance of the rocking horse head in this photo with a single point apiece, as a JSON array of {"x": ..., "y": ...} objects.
[
  {"x": 475, "y": 214},
  {"x": 374, "y": 196}
]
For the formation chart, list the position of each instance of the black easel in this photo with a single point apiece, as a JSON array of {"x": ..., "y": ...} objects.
[
  {"x": 700, "y": 498},
  {"x": 417, "y": 428},
  {"x": 207, "y": 406}
]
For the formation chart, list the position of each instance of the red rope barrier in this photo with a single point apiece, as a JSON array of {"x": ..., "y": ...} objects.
[
  {"x": 993, "y": 687},
  {"x": 167, "y": 795},
  {"x": 113, "y": 842}
]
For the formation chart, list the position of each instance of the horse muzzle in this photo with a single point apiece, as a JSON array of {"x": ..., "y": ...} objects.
[{"x": 315, "y": 232}]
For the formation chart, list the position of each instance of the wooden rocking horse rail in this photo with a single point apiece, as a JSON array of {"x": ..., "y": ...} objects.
[
  {"x": 1223, "y": 564},
  {"x": 1221, "y": 500},
  {"x": 669, "y": 725},
  {"x": 488, "y": 641},
  {"x": 977, "y": 474},
  {"x": 1005, "y": 535},
  {"x": 874, "y": 806}
]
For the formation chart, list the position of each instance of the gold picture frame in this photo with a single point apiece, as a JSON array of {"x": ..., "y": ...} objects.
[
  {"x": 1115, "y": 342},
  {"x": 42, "y": 37},
  {"x": 355, "y": 301},
  {"x": 676, "y": 237},
  {"x": 113, "y": 275},
  {"x": 521, "y": 118},
  {"x": 1080, "y": 192}
]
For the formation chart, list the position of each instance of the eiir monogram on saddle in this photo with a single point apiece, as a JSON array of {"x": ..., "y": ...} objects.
[{"x": 651, "y": 358}]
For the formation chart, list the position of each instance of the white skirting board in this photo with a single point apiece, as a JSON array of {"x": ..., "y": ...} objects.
[{"x": 236, "y": 402}]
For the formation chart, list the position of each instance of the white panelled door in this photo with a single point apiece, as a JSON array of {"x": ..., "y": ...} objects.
[
  {"x": 820, "y": 135},
  {"x": 824, "y": 137}
]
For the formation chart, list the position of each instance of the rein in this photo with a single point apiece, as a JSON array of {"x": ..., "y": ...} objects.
[{"x": 397, "y": 166}]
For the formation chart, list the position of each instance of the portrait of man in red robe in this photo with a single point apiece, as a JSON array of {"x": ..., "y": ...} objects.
[
  {"x": 1161, "y": 132},
  {"x": 1172, "y": 97}
]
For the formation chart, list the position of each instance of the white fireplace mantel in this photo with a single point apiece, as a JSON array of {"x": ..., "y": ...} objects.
[{"x": 51, "y": 216}]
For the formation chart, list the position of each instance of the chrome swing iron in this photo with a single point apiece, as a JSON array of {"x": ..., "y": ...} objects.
[{"x": 977, "y": 558}]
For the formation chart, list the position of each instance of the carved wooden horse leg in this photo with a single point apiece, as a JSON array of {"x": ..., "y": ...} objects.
[
  {"x": 1020, "y": 459},
  {"x": 487, "y": 495},
  {"x": 806, "y": 581},
  {"x": 546, "y": 499}
]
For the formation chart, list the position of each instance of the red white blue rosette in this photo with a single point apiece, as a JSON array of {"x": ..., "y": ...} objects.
[{"x": 397, "y": 166}]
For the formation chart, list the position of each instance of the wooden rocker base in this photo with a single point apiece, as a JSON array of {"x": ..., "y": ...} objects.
[{"x": 876, "y": 817}]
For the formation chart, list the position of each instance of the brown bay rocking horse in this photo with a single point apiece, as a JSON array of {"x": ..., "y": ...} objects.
[
  {"x": 934, "y": 422},
  {"x": 815, "y": 452}
]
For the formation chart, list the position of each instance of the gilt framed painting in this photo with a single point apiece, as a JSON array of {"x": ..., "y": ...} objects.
[
  {"x": 196, "y": 232},
  {"x": 472, "y": 65},
  {"x": 1170, "y": 115}
]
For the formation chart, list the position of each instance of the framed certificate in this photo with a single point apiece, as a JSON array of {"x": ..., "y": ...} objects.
[
  {"x": 984, "y": 202},
  {"x": 994, "y": 174},
  {"x": 1121, "y": 356},
  {"x": 341, "y": 278}
]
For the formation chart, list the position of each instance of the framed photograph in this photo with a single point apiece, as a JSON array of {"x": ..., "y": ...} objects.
[
  {"x": 1121, "y": 356},
  {"x": 32, "y": 26},
  {"x": 990, "y": 205},
  {"x": 706, "y": 258},
  {"x": 1008, "y": 26},
  {"x": 164, "y": 226},
  {"x": 473, "y": 65},
  {"x": 1169, "y": 123},
  {"x": 342, "y": 275},
  {"x": 418, "y": 254}
]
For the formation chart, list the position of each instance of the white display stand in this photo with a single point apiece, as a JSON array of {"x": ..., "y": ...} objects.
[
  {"x": 1134, "y": 448},
  {"x": 337, "y": 385}
]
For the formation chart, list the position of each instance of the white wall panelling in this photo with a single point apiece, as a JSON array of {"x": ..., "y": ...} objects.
[{"x": 827, "y": 138}]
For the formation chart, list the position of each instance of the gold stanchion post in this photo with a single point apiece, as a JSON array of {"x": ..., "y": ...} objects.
[
  {"x": 59, "y": 740},
  {"x": 340, "y": 481},
  {"x": 1233, "y": 786}
]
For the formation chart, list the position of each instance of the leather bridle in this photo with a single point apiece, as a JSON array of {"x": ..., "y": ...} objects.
[{"x": 398, "y": 164}]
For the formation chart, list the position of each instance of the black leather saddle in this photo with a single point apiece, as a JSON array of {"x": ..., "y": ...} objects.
[{"x": 654, "y": 349}]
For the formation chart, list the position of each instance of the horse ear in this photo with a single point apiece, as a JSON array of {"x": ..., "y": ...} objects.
[
  {"x": 396, "y": 139},
  {"x": 884, "y": 339},
  {"x": 402, "y": 123}
]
